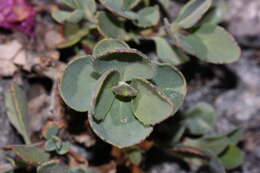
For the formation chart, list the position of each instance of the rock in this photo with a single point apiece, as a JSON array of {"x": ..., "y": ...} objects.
[{"x": 244, "y": 21}]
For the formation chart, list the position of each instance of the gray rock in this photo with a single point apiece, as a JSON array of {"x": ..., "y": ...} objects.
[{"x": 244, "y": 21}]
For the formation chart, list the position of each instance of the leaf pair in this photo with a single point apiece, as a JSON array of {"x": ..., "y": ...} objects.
[
  {"x": 206, "y": 40},
  {"x": 125, "y": 105}
]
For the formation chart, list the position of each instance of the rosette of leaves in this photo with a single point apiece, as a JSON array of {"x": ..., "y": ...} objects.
[{"x": 124, "y": 92}]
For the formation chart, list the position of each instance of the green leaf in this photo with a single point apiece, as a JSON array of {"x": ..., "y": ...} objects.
[
  {"x": 192, "y": 12},
  {"x": 200, "y": 118},
  {"x": 31, "y": 154},
  {"x": 78, "y": 83},
  {"x": 124, "y": 90},
  {"x": 74, "y": 38},
  {"x": 168, "y": 53},
  {"x": 51, "y": 167},
  {"x": 210, "y": 43},
  {"x": 52, "y": 130},
  {"x": 108, "y": 44},
  {"x": 120, "y": 128},
  {"x": 110, "y": 26},
  {"x": 66, "y": 16},
  {"x": 134, "y": 154},
  {"x": 81, "y": 170},
  {"x": 172, "y": 83},
  {"x": 150, "y": 106},
  {"x": 214, "y": 146},
  {"x": 129, "y": 62},
  {"x": 216, "y": 13},
  {"x": 148, "y": 16},
  {"x": 16, "y": 109},
  {"x": 233, "y": 136},
  {"x": 103, "y": 96},
  {"x": 118, "y": 7},
  {"x": 129, "y": 4},
  {"x": 232, "y": 157},
  {"x": 50, "y": 145},
  {"x": 64, "y": 149}
]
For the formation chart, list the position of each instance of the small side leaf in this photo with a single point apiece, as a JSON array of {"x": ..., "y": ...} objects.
[
  {"x": 148, "y": 16},
  {"x": 232, "y": 157},
  {"x": 192, "y": 12},
  {"x": 124, "y": 90},
  {"x": 168, "y": 53},
  {"x": 150, "y": 106},
  {"x": 16, "y": 109},
  {"x": 200, "y": 118}
]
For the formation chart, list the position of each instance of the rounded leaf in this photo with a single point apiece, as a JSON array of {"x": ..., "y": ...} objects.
[
  {"x": 129, "y": 62},
  {"x": 110, "y": 26},
  {"x": 107, "y": 45},
  {"x": 232, "y": 157},
  {"x": 150, "y": 106},
  {"x": 200, "y": 118},
  {"x": 120, "y": 127},
  {"x": 168, "y": 53},
  {"x": 148, "y": 16},
  {"x": 78, "y": 83},
  {"x": 172, "y": 83},
  {"x": 210, "y": 43}
]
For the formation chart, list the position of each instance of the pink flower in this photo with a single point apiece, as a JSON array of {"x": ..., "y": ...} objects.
[{"x": 17, "y": 14}]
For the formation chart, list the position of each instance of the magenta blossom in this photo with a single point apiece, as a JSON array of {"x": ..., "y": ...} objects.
[{"x": 17, "y": 14}]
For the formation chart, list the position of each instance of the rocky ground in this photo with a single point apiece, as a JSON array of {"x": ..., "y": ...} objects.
[{"x": 233, "y": 89}]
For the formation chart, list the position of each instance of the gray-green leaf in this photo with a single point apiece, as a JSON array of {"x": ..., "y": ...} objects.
[
  {"x": 16, "y": 109},
  {"x": 78, "y": 83},
  {"x": 192, "y": 12},
  {"x": 31, "y": 154},
  {"x": 150, "y": 105},
  {"x": 210, "y": 43},
  {"x": 200, "y": 118},
  {"x": 148, "y": 16},
  {"x": 120, "y": 127},
  {"x": 103, "y": 96},
  {"x": 168, "y": 53}
]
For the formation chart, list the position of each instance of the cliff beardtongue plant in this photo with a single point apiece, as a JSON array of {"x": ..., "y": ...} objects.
[
  {"x": 17, "y": 14},
  {"x": 124, "y": 93}
]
